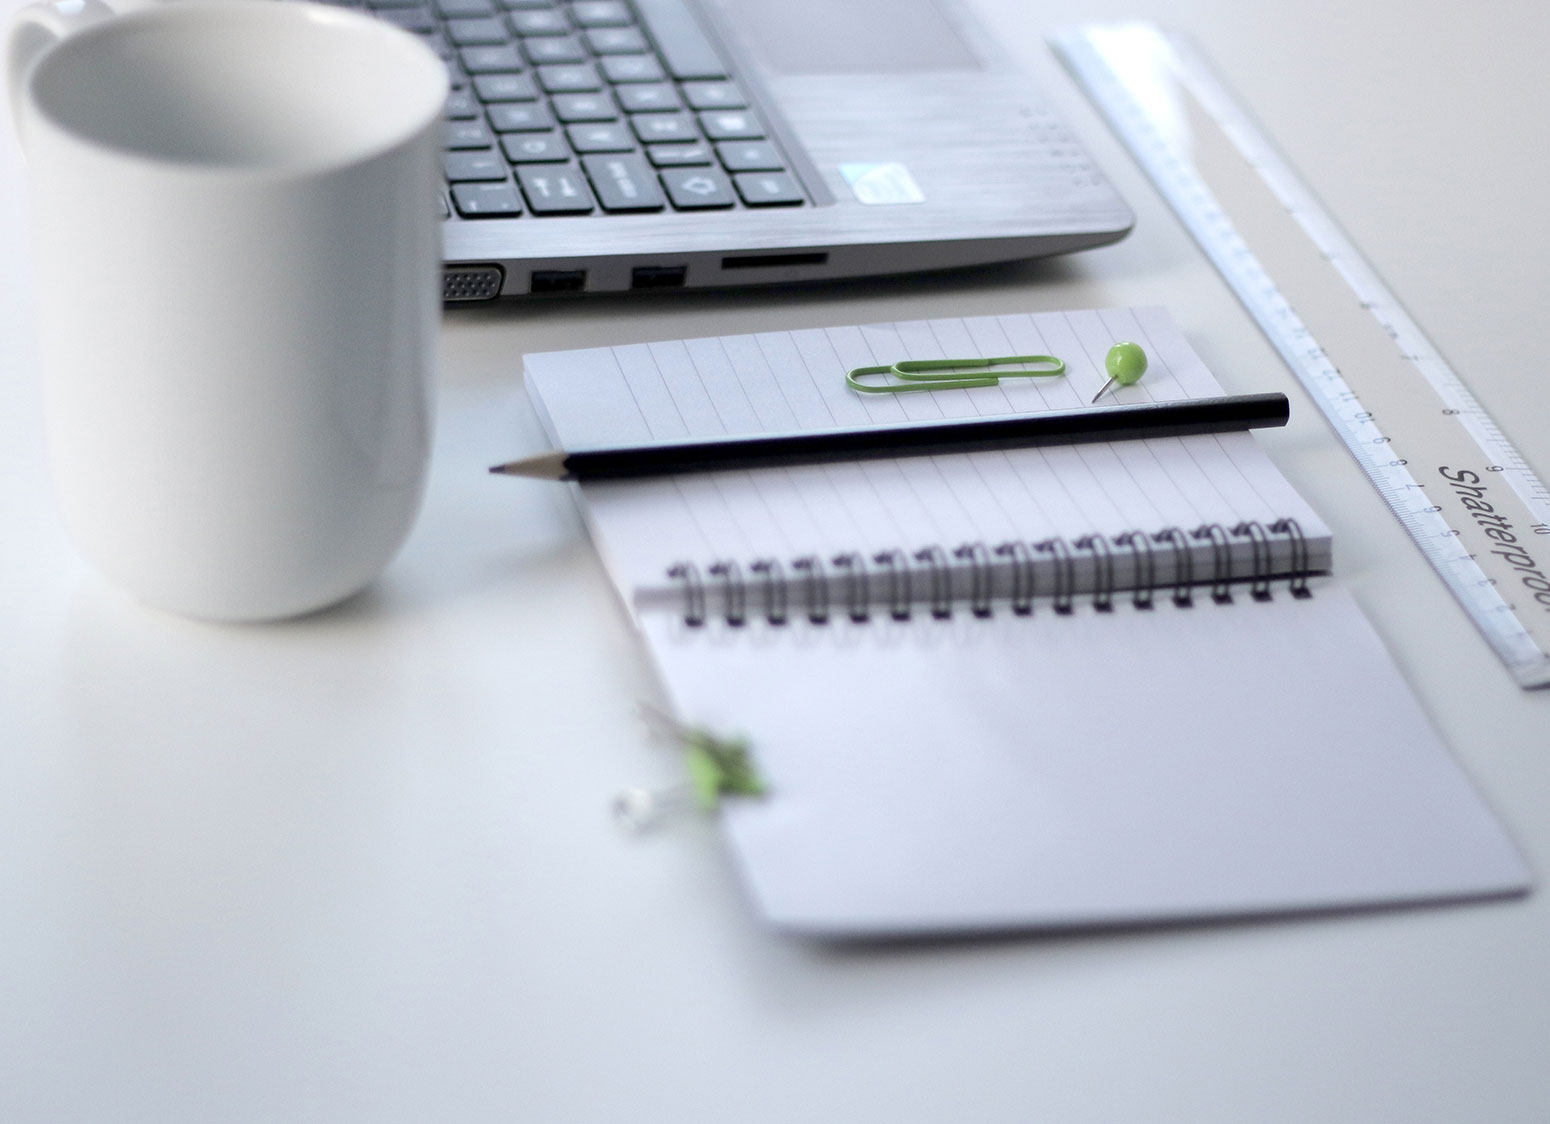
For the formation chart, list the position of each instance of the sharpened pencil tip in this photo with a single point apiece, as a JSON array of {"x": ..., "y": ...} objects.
[{"x": 545, "y": 466}]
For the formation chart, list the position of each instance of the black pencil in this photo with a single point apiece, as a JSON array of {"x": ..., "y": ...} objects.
[{"x": 905, "y": 439}]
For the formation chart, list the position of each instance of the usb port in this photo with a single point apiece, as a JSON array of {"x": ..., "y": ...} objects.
[
  {"x": 658, "y": 276},
  {"x": 557, "y": 281}
]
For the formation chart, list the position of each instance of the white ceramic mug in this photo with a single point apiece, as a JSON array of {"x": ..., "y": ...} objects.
[{"x": 236, "y": 255}]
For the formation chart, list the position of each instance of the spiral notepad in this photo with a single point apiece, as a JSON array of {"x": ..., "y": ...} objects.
[
  {"x": 1081, "y": 685},
  {"x": 976, "y": 576}
]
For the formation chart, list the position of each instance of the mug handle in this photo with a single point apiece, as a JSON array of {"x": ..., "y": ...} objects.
[{"x": 36, "y": 28}]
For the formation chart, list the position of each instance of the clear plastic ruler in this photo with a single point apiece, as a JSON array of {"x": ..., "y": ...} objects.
[{"x": 1471, "y": 503}]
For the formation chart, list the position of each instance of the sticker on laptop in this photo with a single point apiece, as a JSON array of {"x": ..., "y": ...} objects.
[{"x": 882, "y": 183}]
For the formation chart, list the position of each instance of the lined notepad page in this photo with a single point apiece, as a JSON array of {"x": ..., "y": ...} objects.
[{"x": 786, "y": 381}]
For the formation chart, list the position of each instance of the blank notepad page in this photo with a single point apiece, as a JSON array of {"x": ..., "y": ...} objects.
[{"x": 1085, "y": 769}]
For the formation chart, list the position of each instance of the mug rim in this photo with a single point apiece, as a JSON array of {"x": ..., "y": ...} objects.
[{"x": 415, "y": 55}]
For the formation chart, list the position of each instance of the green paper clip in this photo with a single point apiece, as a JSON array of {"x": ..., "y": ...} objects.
[
  {"x": 717, "y": 766},
  {"x": 946, "y": 374}
]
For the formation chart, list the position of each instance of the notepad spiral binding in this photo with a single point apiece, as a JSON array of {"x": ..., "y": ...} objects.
[{"x": 977, "y": 576}]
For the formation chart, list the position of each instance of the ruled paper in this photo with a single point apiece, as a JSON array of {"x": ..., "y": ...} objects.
[{"x": 786, "y": 381}]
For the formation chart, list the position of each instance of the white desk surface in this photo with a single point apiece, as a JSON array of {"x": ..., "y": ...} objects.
[{"x": 359, "y": 868}]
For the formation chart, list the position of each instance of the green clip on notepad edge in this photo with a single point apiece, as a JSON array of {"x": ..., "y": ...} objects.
[
  {"x": 718, "y": 766},
  {"x": 946, "y": 374}
]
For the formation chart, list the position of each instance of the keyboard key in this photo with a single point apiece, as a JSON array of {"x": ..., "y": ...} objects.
[
  {"x": 600, "y": 13},
  {"x": 461, "y": 9},
  {"x": 663, "y": 127},
  {"x": 504, "y": 87},
  {"x": 616, "y": 41},
  {"x": 553, "y": 48},
  {"x": 379, "y": 5},
  {"x": 470, "y": 167},
  {"x": 465, "y": 134},
  {"x": 693, "y": 189},
  {"x": 572, "y": 108},
  {"x": 555, "y": 191},
  {"x": 535, "y": 148},
  {"x": 600, "y": 138},
  {"x": 714, "y": 95},
  {"x": 731, "y": 124},
  {"x": 679, "y": 155},
  {"x": 749, "y": 156},
  {"x": 648, "y": 97},
  {"x": 480, "y": 200},
  {"x": 624, "y": 183},
  {"x": 490, "y": 60},
  {"x": 686, "y": 52},
  {"x": 417, "y": 19},
  {"x": 768, "y": 189},
  {"x": 520, "y": 117},
  {"x": 632, "y": 68},
  {"x": 460, "y": 107},
  {"x": 471, "y": 32},
  {"x": 539, "y": 21},
  {"x": 525, "y": 5},
  {"x": 580, "y": 79}
]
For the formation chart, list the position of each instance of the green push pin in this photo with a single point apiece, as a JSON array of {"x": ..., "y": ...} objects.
[{"x": 1126, "y": 363}]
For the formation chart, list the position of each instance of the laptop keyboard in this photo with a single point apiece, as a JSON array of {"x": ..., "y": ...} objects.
[{"x": 576, "y": 107}]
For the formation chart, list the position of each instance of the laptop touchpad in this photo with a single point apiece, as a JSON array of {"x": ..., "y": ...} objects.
[{"x": 849, "y": 36}]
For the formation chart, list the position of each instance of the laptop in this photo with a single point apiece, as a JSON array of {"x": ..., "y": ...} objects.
[{"x": 597, "y": 146}]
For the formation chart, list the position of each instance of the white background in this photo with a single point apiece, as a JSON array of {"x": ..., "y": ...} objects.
[{"x": 359, "y": 867}]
